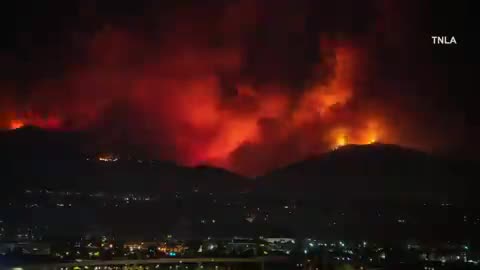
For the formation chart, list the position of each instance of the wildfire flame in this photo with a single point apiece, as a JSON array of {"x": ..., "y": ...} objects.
[
  {"x": 205, "y": 129},
  {"x": 341, "y": 141},
  {"x": 33, "y": 120},
  {"x": 195, "y": 101},
  {"x": 16, "y": 124}
]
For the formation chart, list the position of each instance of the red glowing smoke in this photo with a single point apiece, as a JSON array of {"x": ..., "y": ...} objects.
[{"x": 208, "y": 91}]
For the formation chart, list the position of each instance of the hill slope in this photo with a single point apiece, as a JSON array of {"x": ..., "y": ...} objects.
[
  {"x": 36, "y": 158},
  {"x": 375, "y": 171}
]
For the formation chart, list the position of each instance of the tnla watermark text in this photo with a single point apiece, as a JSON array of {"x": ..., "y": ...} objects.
[{"x": 444, "y": 40}]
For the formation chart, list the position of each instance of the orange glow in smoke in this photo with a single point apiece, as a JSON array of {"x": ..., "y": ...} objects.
[
  {"x": 320, "y": 101},
  {"x": 16, "y": 124},
  {"x": 339, "y": 137},
  {"x": 206, "y": 128},
  {"x": 341, "y": 141},
  {"x": 370, "y": 133},
  {"x": 183, "y": 110},
  {"x": 31, "y": 120}
]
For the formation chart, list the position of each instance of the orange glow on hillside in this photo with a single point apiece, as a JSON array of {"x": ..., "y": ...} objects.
[
  {"x": 188, "y": 111},
  {"x": 34, "y": 120},
  {"x": 16, "y": 124},
  {"x": 341, "y": 141}
]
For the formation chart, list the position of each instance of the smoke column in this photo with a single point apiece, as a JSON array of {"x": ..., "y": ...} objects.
[{"x": 242, "y": 85}]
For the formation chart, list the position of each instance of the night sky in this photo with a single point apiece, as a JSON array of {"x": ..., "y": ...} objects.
[{"x": 245, "y": 85}]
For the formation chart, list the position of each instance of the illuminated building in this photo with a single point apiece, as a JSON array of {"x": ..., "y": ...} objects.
[{"x": 27, "y": 248}]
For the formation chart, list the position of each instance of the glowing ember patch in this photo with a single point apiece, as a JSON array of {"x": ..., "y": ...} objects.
[
  {"x": 31, "y": 119},
  {"x": 16, "y": 124},
  {"x": 341, "y": 141},
  {"x": 373, "y": 132},
  {"x": 107, "y": 158}
]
